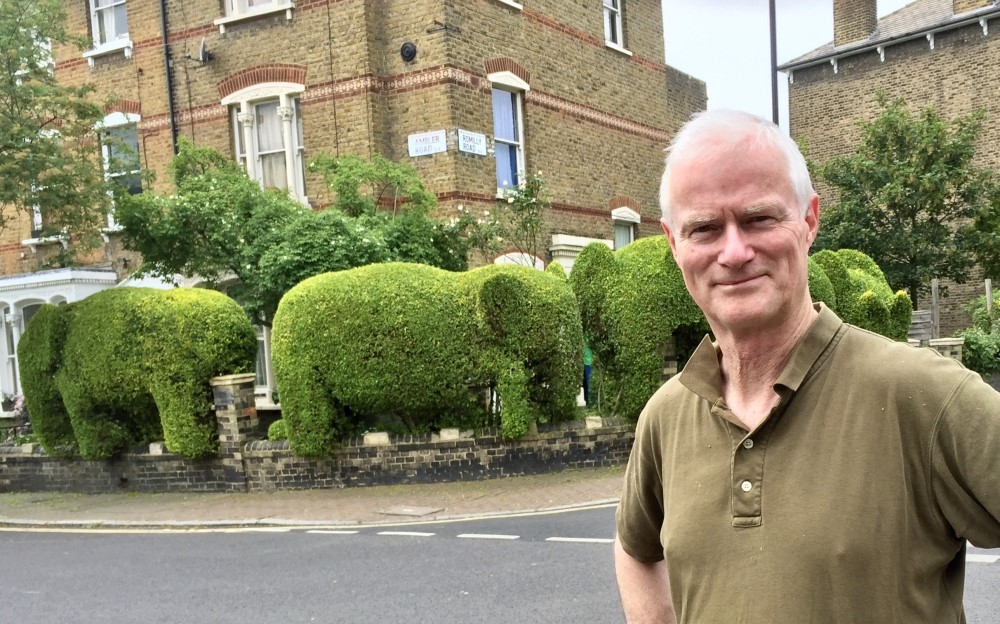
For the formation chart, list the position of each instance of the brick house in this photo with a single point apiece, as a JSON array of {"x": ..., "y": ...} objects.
[
  {"x": 469, "y": 92},
  {"x": 939, "y": 53}
]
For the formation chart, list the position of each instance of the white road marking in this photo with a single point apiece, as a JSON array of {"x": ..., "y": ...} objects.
[
  {"x": 407, "y": 533},
  {"x": 327, "y": 532},
  {"x": 977, "y": 558},
  {"x": 489, "y": 536},
  {"x": 581, "y": 540}
]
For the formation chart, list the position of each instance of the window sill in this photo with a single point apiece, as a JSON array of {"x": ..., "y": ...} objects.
[
  {"x": 617, "y": 48},
  {"x": 106, "y": 232},
  {"x": 511, "y": 3},
  {"x": 122, "y": 45},
  {"x": 35, "y": 243},
  {"x": 230, "y": 19}
]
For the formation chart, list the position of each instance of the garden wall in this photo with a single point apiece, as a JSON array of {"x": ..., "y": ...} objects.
[{"x": 247, "y": 464}]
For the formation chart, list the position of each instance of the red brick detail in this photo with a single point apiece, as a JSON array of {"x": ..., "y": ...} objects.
[
  {"x": 583, "y": 210},
  {"x": 130, "y": 107},
  {"x": 504, "y": 63},
  {"x": 624, "y": 201},
  {"x": 272, "y": 72},
  {"x": 545, "y": 20}
]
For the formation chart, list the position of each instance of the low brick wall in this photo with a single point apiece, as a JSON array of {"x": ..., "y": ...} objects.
[{"x": 270, "y": 466}]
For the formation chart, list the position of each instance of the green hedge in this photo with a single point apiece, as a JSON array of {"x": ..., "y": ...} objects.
[
  {"x": 864, "y": 298},
  {"x": 981, "y": 351},
  {"x": 417, "y": 343},
  {"x": 631, "y": 301},
  {"x": 129, "y": 366},
  {"x": 634, "y": 300}
]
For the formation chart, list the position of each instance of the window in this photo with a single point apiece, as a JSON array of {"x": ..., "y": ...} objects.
[
  {"x": 507, "y": 136},
  {"x": 237, "y": 10},
  {"x": 624, "y": 234},
  {"x": 109, "y": 21},
  {"x": 109, "y": 27},
  {"x": 613, "y": 31},
  {"x": 625, "y": 221},
  {"x": 243, "y": 7},
  {"x": 268, "y": 141},
  {"x": 120, "y": 150}
]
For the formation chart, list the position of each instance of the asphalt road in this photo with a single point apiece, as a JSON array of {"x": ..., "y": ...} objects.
[{"x": 536, "y": 568}]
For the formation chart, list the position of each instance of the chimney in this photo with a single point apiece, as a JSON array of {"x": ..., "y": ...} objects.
[
  {"x": 961, "y": 6},
  {"x": 856, "y": 20}
]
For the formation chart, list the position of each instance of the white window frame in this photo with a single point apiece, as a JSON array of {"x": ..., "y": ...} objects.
[
  {"x": 623, "y": 218},
  {"x": 238, "y": 10},
  {"x": 243, "y": 116},
  {"x": 117, "y": 120},
  {"x": 511, "y": 83},
  {"x": 614, "y": 26},
  {"x": 119, "y": 42}
]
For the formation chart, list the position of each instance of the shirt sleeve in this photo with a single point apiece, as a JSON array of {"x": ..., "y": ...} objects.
[
  {"x": 965, "y": 462},
  {"x": 639, "y": 517}
]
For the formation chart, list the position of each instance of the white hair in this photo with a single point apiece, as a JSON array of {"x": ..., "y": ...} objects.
[{"x": 723, "y": 129}]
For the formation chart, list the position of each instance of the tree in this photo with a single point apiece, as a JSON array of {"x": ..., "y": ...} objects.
[
  {"x": 518, "y": 221},
  {"x": 49, "y": 156},
  {"x": 222, "y": 227},
  {"x": 911, "y": 198}
]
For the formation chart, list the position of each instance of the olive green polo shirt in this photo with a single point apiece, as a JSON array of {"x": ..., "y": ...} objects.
[{"x": 850, "y": 502}]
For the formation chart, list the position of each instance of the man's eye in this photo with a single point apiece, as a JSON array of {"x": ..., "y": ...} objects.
[{"x": 702, "y": 229}]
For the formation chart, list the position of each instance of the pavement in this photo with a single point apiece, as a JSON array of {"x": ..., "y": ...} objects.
[{"x": 390, "y": 504}]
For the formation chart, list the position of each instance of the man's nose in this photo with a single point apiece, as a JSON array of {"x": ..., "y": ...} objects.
[{"x": 736, "y": 249}]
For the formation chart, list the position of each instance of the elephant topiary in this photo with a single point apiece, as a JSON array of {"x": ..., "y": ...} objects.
[
  {"x": 635, "y": 308},
  {"x": 863, "y": 295},
  {"x": 632, "y": 301},
  {"x": 129, "y": 366},
  {"x": 411, "y": 341}
]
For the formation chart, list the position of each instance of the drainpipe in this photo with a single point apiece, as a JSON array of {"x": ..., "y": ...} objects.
[{"x": 169, "y": 74}]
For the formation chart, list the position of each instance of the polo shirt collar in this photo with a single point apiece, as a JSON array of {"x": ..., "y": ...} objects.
[{"x": 703, "y": 376}]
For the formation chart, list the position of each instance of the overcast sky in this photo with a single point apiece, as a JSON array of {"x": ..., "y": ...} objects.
[{"x": 726, "y": 44}]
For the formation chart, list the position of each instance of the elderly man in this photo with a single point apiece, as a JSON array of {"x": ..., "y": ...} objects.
[{"x": 799, "y": 469}]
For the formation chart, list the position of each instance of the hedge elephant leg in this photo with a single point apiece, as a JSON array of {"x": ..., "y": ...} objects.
[
  {"x": 189, "y": 427},
  {"x": 98, "y": 430},
  {"x": 316, "y": 418},
  {"x": 516, "y": 411}
]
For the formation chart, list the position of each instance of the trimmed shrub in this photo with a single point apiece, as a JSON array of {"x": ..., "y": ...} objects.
[
  {"x": 40, "y": 354},
  {"x": 820, "y": 286},
  {"x": 555, "y": 268},
  {"x": 863, "y": 296},
  {"x": 417, "y": 343},
  {"x": 981, "y": 351},
  {"x": 632, "y": 302},
  {"x": 278, "y": 430},
  {"x": 131, "y": 366}
]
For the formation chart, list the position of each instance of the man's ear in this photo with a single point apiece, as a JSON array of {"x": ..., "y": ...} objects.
[
  {"x": 670, "y": 236},
  {"x": 812, "y": 217}
]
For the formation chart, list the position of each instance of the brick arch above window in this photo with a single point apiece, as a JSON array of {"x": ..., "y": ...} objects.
[
  {"x": 507, "y": 66},
  {"x": 623, "y": 201},
  {"x": 271, "y": 73},
  {"x": 128, "y": 107}
]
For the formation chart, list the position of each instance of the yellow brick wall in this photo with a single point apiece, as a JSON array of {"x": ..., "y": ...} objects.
[
  {"x": 596, "y": 120},
  {"x": 957, "y": 77}
]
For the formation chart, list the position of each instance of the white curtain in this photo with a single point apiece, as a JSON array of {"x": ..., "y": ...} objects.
[{"x": 270, "y": 147}]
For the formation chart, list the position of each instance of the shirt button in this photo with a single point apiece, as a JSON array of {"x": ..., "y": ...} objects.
[
  {"x": 746, "y": 486},
  {"x": 748, "y": 443}
]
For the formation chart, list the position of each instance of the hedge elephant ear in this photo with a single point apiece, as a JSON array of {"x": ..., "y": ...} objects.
[
  {"x": 502, "y": 303},
  {"x": 593, "y": 273}
]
